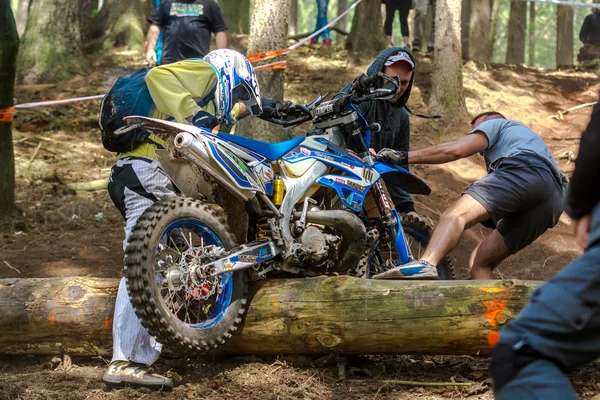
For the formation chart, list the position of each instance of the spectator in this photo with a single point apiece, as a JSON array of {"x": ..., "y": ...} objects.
[
  {"x": 423, "y": 7},
  {"x": 403, "y": 7},
  {"x": 521, "y": 197},
  {"x": 392, "y": 115},
  {"x": 590, "y": 30},
  {"x": 559, "y": 330},
  {"x": 187, "y": 26},
  {"x": 321, "y": 22}
]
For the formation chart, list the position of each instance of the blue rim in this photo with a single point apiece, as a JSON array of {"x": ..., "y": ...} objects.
[{"x": 210, "y": 238}]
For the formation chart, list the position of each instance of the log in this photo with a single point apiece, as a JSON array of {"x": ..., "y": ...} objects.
[{"x": 48, "y": 316}]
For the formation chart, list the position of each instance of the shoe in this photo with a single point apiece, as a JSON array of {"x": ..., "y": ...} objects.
[
  {"x": 407, "y": 46},
  {"x": 418, "y": 269},
  {"x": 327, "y": 43},
  {"x": 313, "y": 42},
  {"x": 120, "y": 374},
  {"x": 429, "y": 49}
]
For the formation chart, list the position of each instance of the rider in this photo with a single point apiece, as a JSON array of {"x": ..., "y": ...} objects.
[{"x": 204, "y": 92}]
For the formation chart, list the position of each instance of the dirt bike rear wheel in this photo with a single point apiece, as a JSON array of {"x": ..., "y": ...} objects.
[
  {"x": 176, "y": 308},
  {"x": 417, "y": 234}
]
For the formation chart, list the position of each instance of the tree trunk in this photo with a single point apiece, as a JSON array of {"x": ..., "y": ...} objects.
[
  {"x": 465, "y": 16},
  {"x": 447, "y": 84},
  {"x": 517, "y": 22},
  {"x": 564, "y": 37},
  {"x": 88, "y": 20},
  {"x": 532, "y": 34},
  {"x": 342, "y": 23},
  {"x": 22, "y": 14},
  {"x": 367, "y": 34},
  {"x": 9, "y": 45},
  {"x": 495, "y": 4},
  {"x": 293, "y": 28},
  {"x": 292, "y": 316},
  {"x": 120, "y": 23},
  {"x": 268, "y": 31},
  {"x": 481, "y": 16},
  {"x": 51, "y": 51},
  {"x": 237, "y": 15}
]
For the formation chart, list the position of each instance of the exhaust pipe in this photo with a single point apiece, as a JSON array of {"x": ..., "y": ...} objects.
[{"x": 195, "y": 150}]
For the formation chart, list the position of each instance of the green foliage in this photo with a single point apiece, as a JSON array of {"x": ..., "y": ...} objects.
[{"x": 545, "y": 33}]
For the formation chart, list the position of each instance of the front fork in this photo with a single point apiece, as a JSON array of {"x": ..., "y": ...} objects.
[{"x": 391, "y": 219}]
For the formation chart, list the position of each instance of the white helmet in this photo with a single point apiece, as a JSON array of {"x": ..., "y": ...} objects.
[{"x": 237, "y": 82}]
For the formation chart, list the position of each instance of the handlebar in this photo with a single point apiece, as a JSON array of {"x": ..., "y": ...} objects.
[{"x": 364, "y": 88}]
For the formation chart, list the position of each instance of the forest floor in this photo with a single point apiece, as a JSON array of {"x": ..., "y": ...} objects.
[{"x": 63, "y": 233}]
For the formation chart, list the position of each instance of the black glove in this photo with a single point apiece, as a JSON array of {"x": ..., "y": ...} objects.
[
  {"x": 274, "y": 109},
  {"x": 393, "y": 156},
  {"x": 267, "y": 102},
  {"x": 204, "y": 119}
]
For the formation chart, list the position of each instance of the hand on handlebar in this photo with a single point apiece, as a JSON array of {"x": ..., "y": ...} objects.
[{"x": 393, "y": 156}]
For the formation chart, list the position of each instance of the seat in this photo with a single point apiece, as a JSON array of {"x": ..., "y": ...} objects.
[{"x": 271, "y": 151}]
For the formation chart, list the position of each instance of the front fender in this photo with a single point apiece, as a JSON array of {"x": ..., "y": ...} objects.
[{"x": 398, "y": 176}]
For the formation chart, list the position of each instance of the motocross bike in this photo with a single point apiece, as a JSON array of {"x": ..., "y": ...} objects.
[{"x": 308, "y": 206}]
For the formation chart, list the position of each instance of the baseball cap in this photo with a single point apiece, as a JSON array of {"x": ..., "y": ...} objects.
[{"x": 399, "y": 56}]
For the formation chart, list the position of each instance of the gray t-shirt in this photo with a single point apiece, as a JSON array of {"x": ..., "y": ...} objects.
[{"x": 509, "y": 139}]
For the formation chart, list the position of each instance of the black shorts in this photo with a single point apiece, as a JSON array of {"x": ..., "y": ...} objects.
[{"x": 523, "y": 202}]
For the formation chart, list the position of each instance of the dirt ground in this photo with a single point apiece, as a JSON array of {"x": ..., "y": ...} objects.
[{"x": 62, "y": 232}]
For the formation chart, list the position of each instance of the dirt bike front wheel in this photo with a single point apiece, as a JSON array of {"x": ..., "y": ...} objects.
[{"x": 176, "y": 307}]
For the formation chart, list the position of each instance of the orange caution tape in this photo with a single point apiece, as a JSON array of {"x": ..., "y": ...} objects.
[
  {"x": 265, "y": 55},
  {"x": 276, "y": 65},
  {"x": 6, "y": 114}
]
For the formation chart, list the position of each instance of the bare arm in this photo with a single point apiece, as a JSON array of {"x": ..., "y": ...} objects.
[
  {"x": 450, "y": 151},
  {"x": 151, "y": 39},
  {"x": 221, "y": 40}
]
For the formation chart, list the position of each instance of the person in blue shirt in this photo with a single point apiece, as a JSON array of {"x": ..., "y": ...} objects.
[{"x": 521, "y": 196}]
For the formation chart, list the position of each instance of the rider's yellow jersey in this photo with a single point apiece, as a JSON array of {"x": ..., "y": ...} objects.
[{"x": 176, "y": 90}]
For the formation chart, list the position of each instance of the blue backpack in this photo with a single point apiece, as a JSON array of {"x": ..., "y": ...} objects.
[{"x": 128, "y": 96}]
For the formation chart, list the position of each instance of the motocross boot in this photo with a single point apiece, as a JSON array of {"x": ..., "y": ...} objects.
[{"x": 120, "y": 374}]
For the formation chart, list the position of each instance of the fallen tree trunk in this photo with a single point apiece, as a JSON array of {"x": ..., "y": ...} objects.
[{"x": 292, "y": 316}]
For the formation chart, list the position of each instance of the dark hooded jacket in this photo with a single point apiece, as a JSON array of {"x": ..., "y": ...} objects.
[{"x": 395, "y": 124}]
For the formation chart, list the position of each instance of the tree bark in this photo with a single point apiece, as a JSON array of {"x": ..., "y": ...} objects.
[
  {"x": 237, "y": 15},
  {"x": 447, "y": 84},
  {"x": 366, "y": 34},
  {"x": 479, "y": 27},
  {"x": 495, "y": 4},
  {"x": 51, "y": 50},
  {"x": 268, "y": 31},
  {"x": 293, "y": 316},
  {"x": 9, "y": 45},
  {"x": 293, "y": 28},
  {"x": 465, "y": 23},
  {"x": 119, "y": 23},
  {"x": 564, "y": 36},
  {"x": 22, "y": 14},
  {"x": 342, "y": 23},
  {"x": 517, "y": 22},
  {"x": 531, "y": 34}
]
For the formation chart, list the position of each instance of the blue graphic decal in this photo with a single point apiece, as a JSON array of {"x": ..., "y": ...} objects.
[
  {"x": 351, "y": 194},
  {"x": 234, "y": 170}
]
